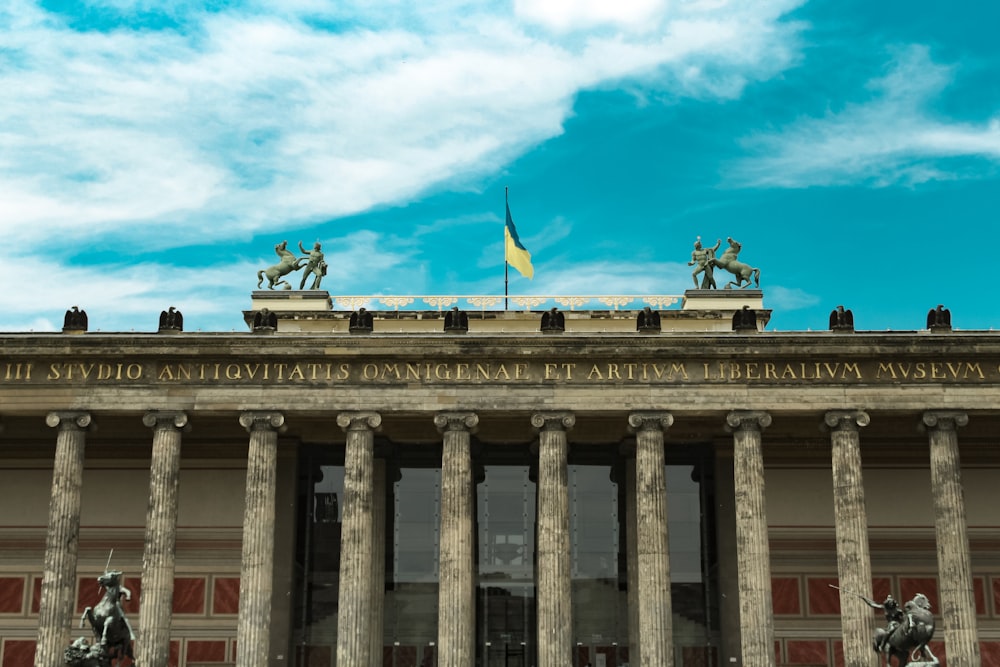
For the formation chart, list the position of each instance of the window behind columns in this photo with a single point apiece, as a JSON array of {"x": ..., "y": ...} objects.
[
  {"x": 413, "y": 521},
  {"x": 317, "y": 554},
  {"x": 600, "y": 604},
  {"x": 693, "y": 565},
  {"x": 505, "y": 593}
]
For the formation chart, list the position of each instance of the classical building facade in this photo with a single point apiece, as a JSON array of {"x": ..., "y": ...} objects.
[{"x": 393, "y": 494}]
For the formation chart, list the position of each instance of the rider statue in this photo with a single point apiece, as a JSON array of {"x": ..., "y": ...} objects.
[
  {"x": 316, "y": 266},
  {"x": 701, "y": 259},
  {"x": 908, "y": 630},
  {"x": 113, "y": 635}
]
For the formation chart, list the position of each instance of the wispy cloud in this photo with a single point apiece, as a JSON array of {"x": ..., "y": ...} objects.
[
  {"x": 255, "y": 118},
  {"x": 893, "y": 139},
  {"x": 128, "y": 126}
]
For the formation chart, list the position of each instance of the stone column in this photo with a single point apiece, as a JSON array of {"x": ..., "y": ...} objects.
[
  {"x": 655, "y": 611},
  {"x": 156, "y": 609},
  {"x": 257, "y": 565},
  {"x": 958, "y": 606},
  {"x": 555, "y": 613},
  {"x": 854, "y": 567},
  {"x": 354, "y": 617},
  {"x": 753, "y": 551},
  {"x": 378, "y": 560},
  {"x": 56, "y": 606},
  {"x": 456, "y": 598}
]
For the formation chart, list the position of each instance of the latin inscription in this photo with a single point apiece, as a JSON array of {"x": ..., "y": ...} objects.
[{"x": 500, "y": 372}]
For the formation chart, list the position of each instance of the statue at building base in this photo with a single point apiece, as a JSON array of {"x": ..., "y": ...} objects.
[
  {"x": 907, "y": 632},
  {"x": 113, "y": 634}
]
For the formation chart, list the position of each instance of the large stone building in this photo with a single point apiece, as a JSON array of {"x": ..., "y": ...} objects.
[{"x": 359, "y": 489}]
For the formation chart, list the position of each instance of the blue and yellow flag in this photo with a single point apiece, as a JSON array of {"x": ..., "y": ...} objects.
[{"x": 514, "y": 253}]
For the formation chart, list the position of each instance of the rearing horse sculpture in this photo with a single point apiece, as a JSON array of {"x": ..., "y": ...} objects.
[
  {"x": 742, "y": 272},
  {"x": 278, "y": 271},
  {"x": 112, "y": 630},
  {"x": 906, "y": 639}
]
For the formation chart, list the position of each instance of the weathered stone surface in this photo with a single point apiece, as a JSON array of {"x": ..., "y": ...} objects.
[
  {"x": 555, "y": 613},
  {"x": 55, "y": 612},
  {"x": 158, "y": 554},
  {"x": 851, "y": 520},
  {"x": 456, "y": 601},
  {"x": 656, "y": 643},
  {"x": 753, "y": 551},
  {"x": 354, "y": 617},
  {"x": 958, "y": 605},
  {"x": 257, "y": 564}
]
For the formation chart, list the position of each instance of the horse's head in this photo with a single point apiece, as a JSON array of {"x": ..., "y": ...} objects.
[{"x": 110, "y": 579}]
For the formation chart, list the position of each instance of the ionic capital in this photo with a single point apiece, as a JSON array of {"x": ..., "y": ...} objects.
[
  {"x": 69, "y": 421},
  {"x": 748, "y": 420},
  {"x": 649, "y": 421},
  {"x": 262, "y": 421},
  {"x": 456, "y": 421},
  {"x": 359, "y": 421},
  {"x": 553, "y": 421},
  {"x": 169, "y": 420},
  {"x": 943, "y": 420},
  {"x": 846, "y": 420}
]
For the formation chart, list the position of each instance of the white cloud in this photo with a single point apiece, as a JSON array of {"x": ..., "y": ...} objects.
[
  {"x": 890, "y": 140},
  {"x": 260, "y": 117},
  {"x": 580, "y": 14},
  {"x": 123, "y": 297},
  {"x": 256, "y": 121},
  {"x": 789, "y": 298}
]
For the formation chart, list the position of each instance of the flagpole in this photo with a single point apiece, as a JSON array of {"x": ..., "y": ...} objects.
[{"x": 506, "y": 279}]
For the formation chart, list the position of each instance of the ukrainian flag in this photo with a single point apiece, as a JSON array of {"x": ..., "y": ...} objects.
[{"x": 516, "y": 254}]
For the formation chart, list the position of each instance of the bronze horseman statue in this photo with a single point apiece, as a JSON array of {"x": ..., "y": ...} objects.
[
  {"x": 113, "y": 634},
  {"x": 907, "y": 632}
]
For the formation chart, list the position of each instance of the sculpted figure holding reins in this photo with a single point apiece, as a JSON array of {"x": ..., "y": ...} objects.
[
  {"x": 701, "y": 259},
  {"x": 315, "y": 265}
]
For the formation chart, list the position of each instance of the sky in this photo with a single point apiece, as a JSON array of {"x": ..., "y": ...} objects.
[{"x": 152, "y": 154}]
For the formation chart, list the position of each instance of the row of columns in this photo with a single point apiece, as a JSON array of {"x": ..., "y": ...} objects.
[{"x": 360, "y": 599}]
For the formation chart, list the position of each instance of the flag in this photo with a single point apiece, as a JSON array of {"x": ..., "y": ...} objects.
[{"x": 514, "y": 253}]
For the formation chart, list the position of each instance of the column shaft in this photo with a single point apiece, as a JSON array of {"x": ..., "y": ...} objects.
[
  {"x": 958, "y": 606},
  {"x": 753, "y": 555},
  {"x": 257, "y": 564},
  {"x": 655, "y": 611},
  {"x": 156, "y": 607},
  {"x": 456, "y": 601},
  {"x": 354, "y": 617},
  {"x": 851, "y": 518},
  {"x": 555, "y": 614},
  {"x": 55, "y": 611}
]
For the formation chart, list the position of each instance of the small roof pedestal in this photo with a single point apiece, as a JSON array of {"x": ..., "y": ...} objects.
[
  {"x": 307, "y": 305},
  {"x": 726, "y": 302}
]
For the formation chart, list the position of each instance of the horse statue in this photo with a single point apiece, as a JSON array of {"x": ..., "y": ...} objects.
[
  {"x": 112, "y": 631},
  {"x": 289, "y": 262},
  {"x": 742, "y": 272},
  {"x": 908, "y": 633}
]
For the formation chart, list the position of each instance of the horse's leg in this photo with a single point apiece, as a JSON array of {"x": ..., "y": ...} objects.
[
  {"x": 131, "y": 635},
  {"x": 87, "y": 616},
  {"x": 925, "y": 649}
]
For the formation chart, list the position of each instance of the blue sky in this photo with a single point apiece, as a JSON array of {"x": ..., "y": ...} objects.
[{"x": 152, "y": 157}]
